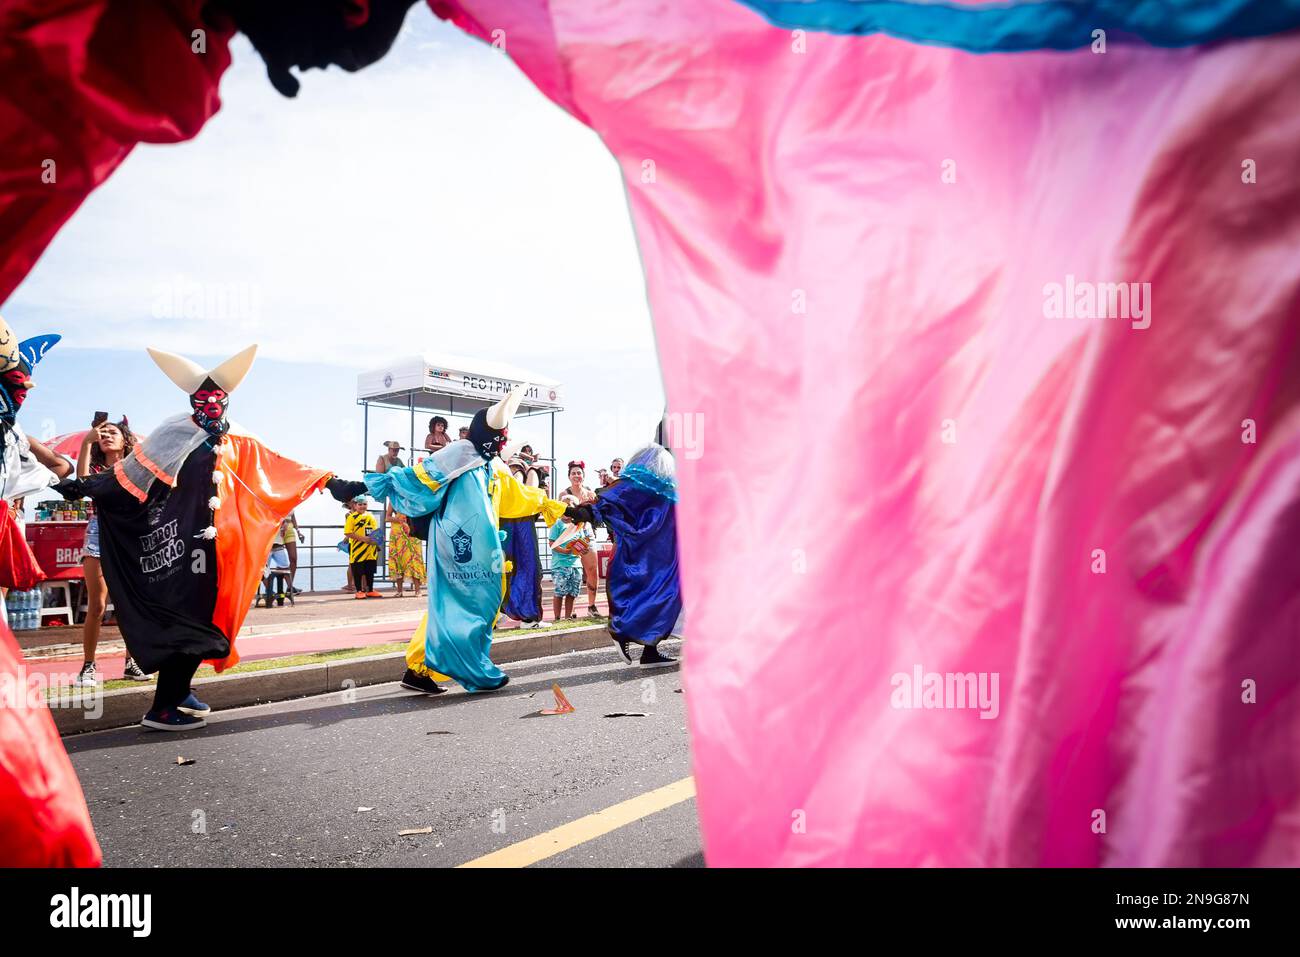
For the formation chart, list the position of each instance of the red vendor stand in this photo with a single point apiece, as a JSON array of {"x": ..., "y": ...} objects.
[{"x": 57, "y": 547}]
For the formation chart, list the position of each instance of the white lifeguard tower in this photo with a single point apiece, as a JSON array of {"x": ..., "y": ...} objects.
[{"x": 456, "y": 386}]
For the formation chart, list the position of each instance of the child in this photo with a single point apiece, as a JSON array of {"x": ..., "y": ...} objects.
[
  {"x": 565, "y": 568},
  {"x": 363, "y": 547}
]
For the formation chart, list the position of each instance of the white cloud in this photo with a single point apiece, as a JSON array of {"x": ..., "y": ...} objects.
[{"x": 435, "y": 201}]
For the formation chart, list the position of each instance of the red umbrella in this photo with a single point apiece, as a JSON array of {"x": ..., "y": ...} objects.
[{"x": 69, "y": 444}]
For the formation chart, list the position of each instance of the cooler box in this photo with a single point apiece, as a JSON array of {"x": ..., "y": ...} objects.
[
  {"x": 604, "y": 555},
  {"x": 57, "y": 547}
]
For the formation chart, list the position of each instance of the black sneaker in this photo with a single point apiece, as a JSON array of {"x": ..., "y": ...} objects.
[
  {"x": 88, "y": 676},
  {"x": 650, "y": 658},
  {"x": 193, "y": 706},
  {"x": 417, "y": 682},
  {"x": 132, "y": 672},
  {"x": 621, "y": 645},
  {"x": 170, "y": 719}
]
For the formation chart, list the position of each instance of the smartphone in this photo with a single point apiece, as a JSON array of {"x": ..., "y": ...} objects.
[{"x": 99, "y": 417}]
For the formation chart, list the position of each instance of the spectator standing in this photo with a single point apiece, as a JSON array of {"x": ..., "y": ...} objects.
[
  {"x": 390, "y": 459},
  {"x": 577, "y": 474},
  {"x": 291, "y": 538},
  {"x": 405, "y": 555},
  {"x": 437, "y": 437},
  {"x": 464, "y": 432},
  {"x": 566, "y": 574},
  {"x": 104, "y": 445},
  {"x": 363, "y": 549}
]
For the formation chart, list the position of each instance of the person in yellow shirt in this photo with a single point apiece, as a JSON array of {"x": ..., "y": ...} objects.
[{"x": 363, "y": 547}]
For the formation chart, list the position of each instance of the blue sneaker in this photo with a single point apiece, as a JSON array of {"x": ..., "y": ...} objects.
[
  {"x": 194, "y": 707},
  {"x": 171, "y": 720}
]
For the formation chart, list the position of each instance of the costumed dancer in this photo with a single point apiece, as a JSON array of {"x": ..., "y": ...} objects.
[
  {"x": 645, "y": 595},
  {"x": 26, "y": 466},
  {"x": 185, "y": 523},
  {"x": 458, "y": 497}
]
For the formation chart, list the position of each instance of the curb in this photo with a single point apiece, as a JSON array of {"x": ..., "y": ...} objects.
[
  {"x": 111, "y": 646},
  {"x": 75, "y": 714}
]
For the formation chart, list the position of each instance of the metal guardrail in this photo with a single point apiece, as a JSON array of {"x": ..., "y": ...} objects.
[{"x": 331, "y": 535}]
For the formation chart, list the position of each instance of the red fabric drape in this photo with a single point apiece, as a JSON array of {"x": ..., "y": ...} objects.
[
  {"x": 18, "y": 566},
  {"x": 81, "y": 83},
  {"x": 43, "y": 816}
]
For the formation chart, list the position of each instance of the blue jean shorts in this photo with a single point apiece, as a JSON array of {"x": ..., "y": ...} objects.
[{"x": 91, "y": 548}]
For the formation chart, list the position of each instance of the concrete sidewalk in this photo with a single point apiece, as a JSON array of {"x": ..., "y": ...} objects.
[
  {"x": 75, "y": 713},
  {"x": 325, "y": 621}
]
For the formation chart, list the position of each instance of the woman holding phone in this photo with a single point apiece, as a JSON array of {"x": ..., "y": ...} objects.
[{"x": 104, "y": 445}]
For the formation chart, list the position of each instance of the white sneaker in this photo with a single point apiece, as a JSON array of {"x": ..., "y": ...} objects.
[{"x": 88, "y": 677}]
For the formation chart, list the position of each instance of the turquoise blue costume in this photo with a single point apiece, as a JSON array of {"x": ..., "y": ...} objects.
[{"x": 465, "y": 496}]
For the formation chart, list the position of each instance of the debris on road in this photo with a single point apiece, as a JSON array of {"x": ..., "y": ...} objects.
[
  {"x": 627, "y": 714},
  {"x": 415, "y": 830},
  {"x": 181, "y": 760},
  {"x": 562, "y": 705}
]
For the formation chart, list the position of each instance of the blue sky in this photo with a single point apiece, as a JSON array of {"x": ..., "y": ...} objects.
[{"x": 435, "y": 201}]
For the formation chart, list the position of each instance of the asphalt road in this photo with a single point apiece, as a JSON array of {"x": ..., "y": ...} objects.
[{"x": 284, "y": 784}]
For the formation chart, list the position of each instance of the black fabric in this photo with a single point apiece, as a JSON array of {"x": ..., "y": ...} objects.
[
  {"x": 174, "y": 677},
  {"x": 582, "y": 513},
  {"x": 487, "y": 440},
  {"x": 313, "y": 34},
  {"x": 420, "y": 525},
  {"x": 363, "y": 574},
  {"x": 161, "y": 573},
  {"x": 345, "y": 491},
  {"x": 72, "y": 490}
]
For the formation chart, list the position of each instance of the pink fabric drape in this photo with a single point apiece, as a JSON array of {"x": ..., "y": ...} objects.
[{"x": 853, "y": 241}]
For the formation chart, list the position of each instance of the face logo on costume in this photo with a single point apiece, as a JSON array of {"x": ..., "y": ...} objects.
[
  {"x": 209, "y": 403},
  {"x": 14, "y": 384},
  {"x": 462, "y": 547}
]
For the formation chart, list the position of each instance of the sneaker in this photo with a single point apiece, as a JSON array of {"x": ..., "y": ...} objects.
[
  {"x": 171, "y": 720},
  {"x": 373, "y": 594},
  {"x": 88, "y": 676},
  {"x": 296, "y": 590},
  {"x": 359, "y": 595},
  {"x": 193, "y": 706},
  {"x": 593, "y": 612},
  {"x": 417, "y": 682},
  {"x": 131, "y": 671},
  {"x": 621, "y": 645},
  {"x": 650, "y": 658}
]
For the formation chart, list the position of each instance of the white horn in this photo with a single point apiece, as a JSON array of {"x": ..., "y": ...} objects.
[
  {"x": 499, "y": 416},
  {"x": 8, "y": 347},
  {"x": 187, "y": 374},
  {"x": 230, "y": 373}
]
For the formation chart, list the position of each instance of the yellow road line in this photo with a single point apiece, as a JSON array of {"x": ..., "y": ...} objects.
[{"x": 587, "y": 828}]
